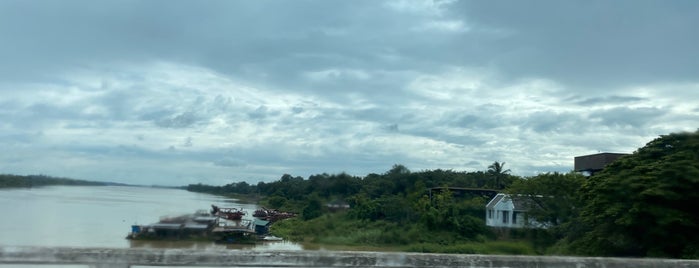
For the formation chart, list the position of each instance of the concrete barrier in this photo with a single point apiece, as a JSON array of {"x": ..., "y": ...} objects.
[{"x": 118, "y": 258}]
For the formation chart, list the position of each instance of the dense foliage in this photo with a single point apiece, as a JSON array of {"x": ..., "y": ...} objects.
[
  {"x": 644, "y": 204},
  {"x": 10, "y": 181}
]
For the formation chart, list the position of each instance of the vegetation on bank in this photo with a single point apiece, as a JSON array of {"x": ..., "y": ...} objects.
[
  {"x": 641, "y": 205},
  {"x": 341, "y": 231},
  {"x": 17, "y": 181}
]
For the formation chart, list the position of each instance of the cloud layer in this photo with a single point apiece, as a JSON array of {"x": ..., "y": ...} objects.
[{"x": 163, "y": 92}]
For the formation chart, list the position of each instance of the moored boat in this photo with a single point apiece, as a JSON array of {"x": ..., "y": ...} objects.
[{"x": 232, "y": 214}]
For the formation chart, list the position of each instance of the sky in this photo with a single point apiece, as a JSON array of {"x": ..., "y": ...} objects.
[{"x": 214, "y": 92}]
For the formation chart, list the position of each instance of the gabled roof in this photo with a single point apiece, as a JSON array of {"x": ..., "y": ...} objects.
[
  {"x": 519, "y": 203},
  {"x": 495, "y": 201},
  {"x": 523, "y": 203}
]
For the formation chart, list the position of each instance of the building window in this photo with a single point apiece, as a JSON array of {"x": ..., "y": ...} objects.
[
  {"x": 490, "y": 214},
  {"x": 514, "y": 217},
  {"x": 505, "y": 216}
]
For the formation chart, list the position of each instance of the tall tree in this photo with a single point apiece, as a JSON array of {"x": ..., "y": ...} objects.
[{"x": 498, "y": 172}]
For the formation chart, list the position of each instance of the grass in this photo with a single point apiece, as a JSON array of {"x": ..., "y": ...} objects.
[{"x": 338, "y": 232}]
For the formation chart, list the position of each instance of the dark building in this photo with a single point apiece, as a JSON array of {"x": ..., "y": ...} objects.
[
  {"x": 594, "y": 163},
  {"x": 261, "y": 226},
  {"x": 464, "y": 192}
]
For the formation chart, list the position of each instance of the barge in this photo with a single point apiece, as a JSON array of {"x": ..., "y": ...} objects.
[{"x": 224, "y": 225}]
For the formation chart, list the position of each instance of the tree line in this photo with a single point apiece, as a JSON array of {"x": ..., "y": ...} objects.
[
  {"x": 19, "y": 181},
  {"x": 399, "y": 180}
]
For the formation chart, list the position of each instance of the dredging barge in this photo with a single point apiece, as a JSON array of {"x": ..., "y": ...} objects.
[{"x": 220, "y": 224}]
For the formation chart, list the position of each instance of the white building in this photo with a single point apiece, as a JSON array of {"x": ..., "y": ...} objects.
[{"x": 506, "y": 211}]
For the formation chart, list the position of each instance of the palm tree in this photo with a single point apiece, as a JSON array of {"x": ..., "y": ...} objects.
[{"x": 497, "y": 171}]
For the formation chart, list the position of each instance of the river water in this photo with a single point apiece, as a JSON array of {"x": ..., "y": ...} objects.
[{"x": 101, "y": 216}]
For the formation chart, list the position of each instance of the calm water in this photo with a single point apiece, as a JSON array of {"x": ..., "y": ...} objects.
[{"x": 101, "y": 216}]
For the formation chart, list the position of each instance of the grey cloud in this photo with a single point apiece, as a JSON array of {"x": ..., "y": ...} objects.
[
  {"x": 377, "y": 114},
  {"x": 188, "y": 142},
  {"x": 183, "y": 30},
  {"x": 296, "y": 40},
  {"x": 474, "y": 163},
  {"x": 476, "y": 121},
  {"x": 606, "y": 100},
  {"x": 155, "y": 115},
  {"x": 49, "y": 111},
  {"x": 552, "y": 121},
  {"x": 23, "y": 137},
  {"x": 104, "y": 150},
  {"x": 590, "y": 46},
  {"x": 622, "y": 116},
  {"x": 182, "y": 120},
  {"x": 120, "y": 102},
  {"x": 230, "y": 162},
  {"x": 43, "y": 114},
  {"x": 627, "y": 42},
  {"x": 469, "y": 139},
  {"x": 483, "y": 117},
  {"x": 262, "y": 112},
  {"x": 392, "y": 127},
  {"x": 76, "y": 110}
]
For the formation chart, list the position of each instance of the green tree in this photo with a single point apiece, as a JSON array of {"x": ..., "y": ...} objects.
[
  {"x": 313, "y": 208},
  {"x": 498, "y": 172},
  {"x": 553, "y": 198},
  {"x": 276, "y": 202},
  {"x": 644, "y": 204},
  {"x": 444, "y": 212}
]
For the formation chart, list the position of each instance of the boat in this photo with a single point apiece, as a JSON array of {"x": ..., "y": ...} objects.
[
  {"x": 272, "y": 215},
  {"x": 223, "y": 225},
  {"x": 232, "y": 214}
]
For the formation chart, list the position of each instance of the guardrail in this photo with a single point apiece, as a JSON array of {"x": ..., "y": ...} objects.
[{"x": 124, "y": 258}]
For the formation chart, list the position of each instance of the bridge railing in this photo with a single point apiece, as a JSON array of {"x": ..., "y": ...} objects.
[{"x": 123, "y": 258}]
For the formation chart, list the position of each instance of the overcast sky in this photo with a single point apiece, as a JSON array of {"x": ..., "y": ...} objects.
[{"x": 178, "y": 92}]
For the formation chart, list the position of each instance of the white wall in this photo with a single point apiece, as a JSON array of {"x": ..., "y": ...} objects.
[{"x": 495, "y": 218}]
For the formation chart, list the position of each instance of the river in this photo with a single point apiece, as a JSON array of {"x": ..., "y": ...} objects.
[{"x": 101, "y": 216}]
